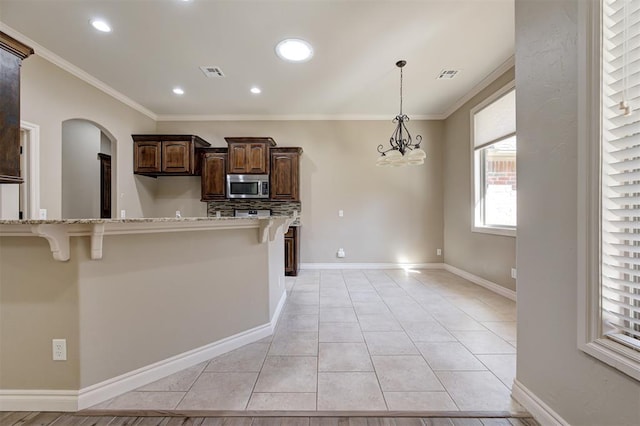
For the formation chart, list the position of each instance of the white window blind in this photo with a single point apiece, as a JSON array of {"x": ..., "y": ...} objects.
[
  {"x": 620, "y": 178},
  {"x": 497, "y": 121}
]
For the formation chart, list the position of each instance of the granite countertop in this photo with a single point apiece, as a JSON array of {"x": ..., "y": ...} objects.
[{"x": 132, "y": 220}]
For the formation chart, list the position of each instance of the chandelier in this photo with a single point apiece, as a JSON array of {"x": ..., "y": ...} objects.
[{"x": 403, "y": 151}]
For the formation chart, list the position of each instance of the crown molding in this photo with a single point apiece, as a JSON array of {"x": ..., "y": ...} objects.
[
  {"x": 506, "y": 65},
  {"x": 100, "y": 85},
  {"x": 77, "y": 72},
  {"x": 291, "y": 117}
]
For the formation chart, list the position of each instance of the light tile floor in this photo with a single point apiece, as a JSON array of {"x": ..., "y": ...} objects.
[{"x": 423, "y": 340}]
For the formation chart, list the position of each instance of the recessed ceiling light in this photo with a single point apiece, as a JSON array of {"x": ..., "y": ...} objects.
[
  {"x": 101, "y": 25},
  {"x": 256, "y": 90},
  {"x": 294, "y": 50},
  {"x": 178, "y": 91}
]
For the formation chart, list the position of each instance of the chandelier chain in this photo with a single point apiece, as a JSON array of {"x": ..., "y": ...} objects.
[{"x": 400, "y": 91}]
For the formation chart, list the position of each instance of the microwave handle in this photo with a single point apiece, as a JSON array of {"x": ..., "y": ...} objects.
[{"x": 265, "y": 188}]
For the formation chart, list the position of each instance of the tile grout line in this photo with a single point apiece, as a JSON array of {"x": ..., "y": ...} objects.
[
  {"x": 253, "y": 388},
  {"x": 414, "y": 344},
  {"x": 384, "y": 398}
]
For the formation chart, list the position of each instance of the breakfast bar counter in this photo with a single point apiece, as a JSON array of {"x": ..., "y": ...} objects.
[
  {"x": 134, "y": 299},
  {"x": 57, "y": 232}
]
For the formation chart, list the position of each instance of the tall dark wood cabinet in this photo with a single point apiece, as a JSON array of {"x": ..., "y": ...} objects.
[
  {"x": 105, "y": 186},
  {"x": 292, "y": 251},
  {"x": 249, "y": 155},
  {"x": 214, "y": 165},
  {"x": 285, "y": 174},
  {"x": 166, "y": 155},
  {"x": 12, "y": 53}
]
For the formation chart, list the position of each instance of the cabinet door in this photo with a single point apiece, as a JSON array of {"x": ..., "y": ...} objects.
[
  {"x": 284, "y": 176},
  {"x": 12, "y": 52},
  {"x": 257, "y": 158},
  {"x": 289, "y": 256},
  {"x": 237, "y": 158},
  {"x": 292, "y": 251},
  {"x": 213, "y": 176},
  {"x": 146, "y": 157},
  {"x": 250, "y": 158},
  {"x": 176, "y": 157}
]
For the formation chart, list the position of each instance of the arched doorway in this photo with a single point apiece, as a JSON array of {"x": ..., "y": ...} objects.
[{"x": 87, "y": 180}]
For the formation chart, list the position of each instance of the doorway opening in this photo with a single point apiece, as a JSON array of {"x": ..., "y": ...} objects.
[
  {"x": 87, "y": 178},
  {"x": 22, "y": 201}
]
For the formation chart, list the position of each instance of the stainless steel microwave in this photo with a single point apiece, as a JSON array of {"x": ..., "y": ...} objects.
[{"x": 247, "y": 186}]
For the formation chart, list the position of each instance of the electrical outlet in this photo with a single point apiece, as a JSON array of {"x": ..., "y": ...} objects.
[
  {"x": 514, "y": 274},
  {"x": 439, "y": 252},
  {"x": 43, "y": 214},
  {"x": 59, "y": 349},
  {"x": 340, "y": 213},
  {"x": 178, "y": 215},
  {"x": 123, "y": 214},
  {"x": 341, "y": 252}
]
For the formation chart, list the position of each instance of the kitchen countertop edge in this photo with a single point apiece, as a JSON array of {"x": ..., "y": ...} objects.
[{"x": 131, "y": 220}]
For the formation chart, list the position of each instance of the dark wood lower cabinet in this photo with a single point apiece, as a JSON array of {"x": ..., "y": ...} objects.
[{"x": 292, "y": 251}]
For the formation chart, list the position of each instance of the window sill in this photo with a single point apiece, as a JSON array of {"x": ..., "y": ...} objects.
[
  {"x": 618, "y": 356},
  {"x": 505, "y": 232}
]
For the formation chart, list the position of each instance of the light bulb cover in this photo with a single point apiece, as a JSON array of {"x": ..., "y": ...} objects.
[
  {"x": 294, "y": 50},
  {"x": 100, "y": 25}
]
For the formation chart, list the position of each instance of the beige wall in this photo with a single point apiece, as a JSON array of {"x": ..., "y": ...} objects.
[
  {"x": 49, "y": 96},
  {"x": 488, "y": 256},
  {"x": 152, "y": 296},
  {"x": 37, "y": 304},
  {"x": 81, "y": 143},
  {"x": 390, "y": 214},
  {"x": 579, "y": 388}
]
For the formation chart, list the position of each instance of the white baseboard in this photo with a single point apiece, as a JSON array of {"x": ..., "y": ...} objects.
[
  {"x": 534, "y": 405},
  {"x": 38, "y": 400},
  {"x": 311, "y": 266},
  {"x": 496, "y": 288},
  {"x": 56, "y": 400},
  {"x": 118, "y": 385},
  {"x": 278, "y": 311}
]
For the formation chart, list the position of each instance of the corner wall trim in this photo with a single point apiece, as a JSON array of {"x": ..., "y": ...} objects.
[
  {"x": 316, "y": 266},
  {"x": 538, "y": 409},
  {"x": 496, "y": 288}
]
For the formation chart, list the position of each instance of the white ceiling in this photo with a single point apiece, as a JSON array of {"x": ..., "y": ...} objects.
[{"x": 156, "y": 45}]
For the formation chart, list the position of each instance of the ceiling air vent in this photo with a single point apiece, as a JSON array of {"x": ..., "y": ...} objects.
[
  {"x": 212, "y": 72},
  {"x": 447, "y": 74}
]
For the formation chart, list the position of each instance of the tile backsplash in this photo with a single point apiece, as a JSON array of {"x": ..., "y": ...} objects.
[{"x": 278, "y": 208}]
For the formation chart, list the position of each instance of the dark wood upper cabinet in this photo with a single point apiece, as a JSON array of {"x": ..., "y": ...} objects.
[
  {"x": 167, "y": 155},
  {"x": 147, "y": 157},
  {"x": 285, "y": 174},
  {"x": 249, "y": 155},
  {"x": 176, "y": 157},
  {"x": 12, "y": 52},
  {"x": 214, "y": 167}
]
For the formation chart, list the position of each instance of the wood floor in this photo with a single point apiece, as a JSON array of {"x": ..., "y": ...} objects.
[{"x": 70, "y": 419}]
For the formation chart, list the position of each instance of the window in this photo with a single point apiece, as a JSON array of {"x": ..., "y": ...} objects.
[
  {"x": 493, "y": 140},
  {"x": 609, "y": 274}
]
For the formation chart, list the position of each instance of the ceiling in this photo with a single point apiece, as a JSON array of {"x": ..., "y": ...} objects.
[{"x": 156, "y": 45}]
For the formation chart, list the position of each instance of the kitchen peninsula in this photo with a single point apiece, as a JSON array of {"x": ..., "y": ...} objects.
[{"x": 114, "y": 289}]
